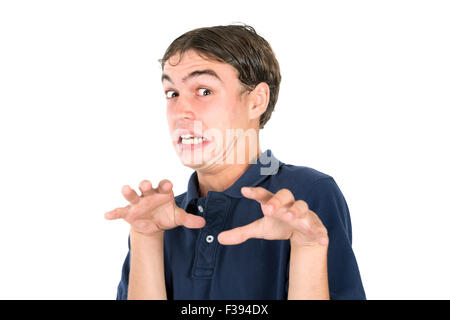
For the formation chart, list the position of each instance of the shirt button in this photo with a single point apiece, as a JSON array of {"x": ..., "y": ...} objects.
[
  {"x": 200, "y": 208},
  {"x": 209, "y": 239}
]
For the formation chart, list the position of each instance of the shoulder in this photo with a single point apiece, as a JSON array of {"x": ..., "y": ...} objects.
[
  {"x": 301, "y": 180},
  {"x": 320, "y": 191}
]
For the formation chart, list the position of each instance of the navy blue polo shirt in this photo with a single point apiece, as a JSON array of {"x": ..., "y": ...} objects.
[{"x": 197, "y": 266}]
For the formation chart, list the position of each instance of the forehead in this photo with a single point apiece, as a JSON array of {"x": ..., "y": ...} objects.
[{"x": 191, "y": 61}]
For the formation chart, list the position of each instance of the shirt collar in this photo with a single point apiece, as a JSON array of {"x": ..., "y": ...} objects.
[{"x": 266, "y": 165}]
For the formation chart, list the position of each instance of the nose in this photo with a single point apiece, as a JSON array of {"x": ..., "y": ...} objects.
[{"x": 183, "y": 109}]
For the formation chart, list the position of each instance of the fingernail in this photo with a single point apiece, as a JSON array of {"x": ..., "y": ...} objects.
[{"x": 247, "y": 190}]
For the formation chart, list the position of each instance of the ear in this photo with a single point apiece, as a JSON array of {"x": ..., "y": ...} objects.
[{"x": 259, "y": 99}]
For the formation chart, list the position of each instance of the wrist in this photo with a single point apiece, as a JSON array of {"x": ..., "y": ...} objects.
[
  {"x": 310, "y": 248},
  {"x": 308, "y": 275},
  {"x": 153, "y": 236}
]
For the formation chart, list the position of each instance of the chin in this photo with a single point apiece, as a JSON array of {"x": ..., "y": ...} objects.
[
  {"x": 197, "y": 158},
  {"x": 193, "y": 159},
  {"x": 193, "y": 166}
]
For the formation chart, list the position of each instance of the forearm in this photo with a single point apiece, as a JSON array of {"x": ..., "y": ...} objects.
[
  {"x": 308, "y": 276},
  {"x": 146, "y": 279}
]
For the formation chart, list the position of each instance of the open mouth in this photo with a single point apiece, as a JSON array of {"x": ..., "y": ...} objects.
[{"x": 189, "y": 139}]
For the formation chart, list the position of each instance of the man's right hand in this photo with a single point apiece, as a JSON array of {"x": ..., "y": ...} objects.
[{"x": 154, "y": 210}]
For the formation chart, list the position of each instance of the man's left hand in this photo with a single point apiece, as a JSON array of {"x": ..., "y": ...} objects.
[{"x": 284, "y": 218}]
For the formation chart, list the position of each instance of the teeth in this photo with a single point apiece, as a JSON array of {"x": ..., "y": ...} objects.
[{"x": 190, "y": 139}]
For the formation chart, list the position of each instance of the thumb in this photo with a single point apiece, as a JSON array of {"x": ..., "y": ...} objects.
[
  {"x": 188, "y": 220},
  {"x": 241, "y": 234}
]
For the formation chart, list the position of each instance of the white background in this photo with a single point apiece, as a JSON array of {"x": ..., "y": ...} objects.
[{"x": 364, "y": 98}]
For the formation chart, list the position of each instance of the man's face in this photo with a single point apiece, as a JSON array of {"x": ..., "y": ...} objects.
[{"x": 205, "y": 106}]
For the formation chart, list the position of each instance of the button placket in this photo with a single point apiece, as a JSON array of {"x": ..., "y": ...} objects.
[
  {"x": 205, "y": 256},
  {"x": 209, "y": 238}
]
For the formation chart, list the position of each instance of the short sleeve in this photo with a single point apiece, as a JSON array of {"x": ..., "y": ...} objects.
[
  {"x": 122, "y": 289},
  {"x": 327, "y": 201}
]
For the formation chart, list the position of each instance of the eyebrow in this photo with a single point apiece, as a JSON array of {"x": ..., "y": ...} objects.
[{"x": 193, "y": 74}]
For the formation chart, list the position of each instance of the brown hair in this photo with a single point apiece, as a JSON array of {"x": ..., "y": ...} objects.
[{"x": 240, "y": 46}]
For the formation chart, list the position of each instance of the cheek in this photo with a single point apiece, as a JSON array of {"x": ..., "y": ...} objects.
[
  {"x": 218, "y": 115},
  {"x": 169, "y": 111},
  {"x": 170, "y": 119},
  {"x": 238, "y": 115}
]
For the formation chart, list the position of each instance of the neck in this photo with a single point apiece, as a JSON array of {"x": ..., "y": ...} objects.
[{"x": 225, "y": 176}]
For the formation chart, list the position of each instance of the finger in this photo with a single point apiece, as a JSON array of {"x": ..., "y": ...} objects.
[
  {"x": 165, "y": 186},
  {"x": 146, "y": 188},
  {"x": 324, "y": 240},
  {"x": 241, "y": 234},
  {"x": 314, "y": 229},
  {"x": 299, "y": 210},
  {"x": 281, "y": 201},
  {"x": 130, "y": 194},
  {"x": 118, "y": 213},
  {"x": 191, "y": 221},
  {"x": 320, "y": 230},
  {"x": 257, "y": 193},
  {"x": 308, "y": 222}
]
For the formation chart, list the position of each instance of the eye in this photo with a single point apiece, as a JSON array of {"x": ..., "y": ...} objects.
[
  {"x": 206, "y": 90},
  {"x": 169, "y": 94}
]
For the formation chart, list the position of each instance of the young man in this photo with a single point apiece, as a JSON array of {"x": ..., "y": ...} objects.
[{"x": 249, "y": 226}]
